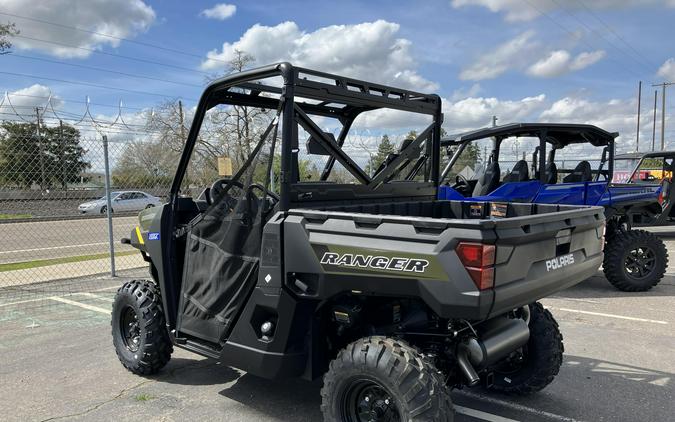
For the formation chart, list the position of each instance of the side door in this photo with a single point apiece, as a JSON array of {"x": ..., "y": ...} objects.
[
  {"x": 123, "y": 202},
  {"x": 138, "y": 201},
  {"x": 564, "y": 193}
]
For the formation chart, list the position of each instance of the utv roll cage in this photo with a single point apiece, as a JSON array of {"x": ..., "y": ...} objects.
[
  {"x": 305, "y": 93},
  {"x": 558, "y": 135}
]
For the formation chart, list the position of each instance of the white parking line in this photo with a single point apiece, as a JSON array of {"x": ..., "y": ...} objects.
[
  {"x": 106, "y": 289},
  {"x": 51, "y": 248},
  {"x": 515, "y": 406},
  {"x": 106, "y": 299},
  {"x": 479, "y": 414},
  {"x": 578, "y": 311},
  {"x": 81, "y": 305}
]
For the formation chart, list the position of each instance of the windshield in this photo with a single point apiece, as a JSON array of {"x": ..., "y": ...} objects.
[
  {"x": 113, "y": 195},
  {"x": 623, "y": 168}
]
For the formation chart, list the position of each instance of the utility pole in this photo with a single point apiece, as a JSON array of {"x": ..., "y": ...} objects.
[
  {"x": 663, "y": 111},
  {"x": 656, "y": 94},
  {"x": 181, "y": 119},
  {"x": 43, "y": 181},
  {"x": 63, "y": 156},
  {"x": 637, "y": 134}
]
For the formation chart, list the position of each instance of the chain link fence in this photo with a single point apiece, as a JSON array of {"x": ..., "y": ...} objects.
[{"x": 70, "y": 189}]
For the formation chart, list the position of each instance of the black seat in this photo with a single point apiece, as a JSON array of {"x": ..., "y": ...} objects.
[
  {"x": 519, "y": 173},
  {"x": 581, "y": 173},
  {"x": 488, "y": 181},
  {"x": 551, "y": 173}
]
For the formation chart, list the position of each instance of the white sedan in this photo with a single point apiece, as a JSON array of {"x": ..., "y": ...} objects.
[{"x": 121, "y": 202}]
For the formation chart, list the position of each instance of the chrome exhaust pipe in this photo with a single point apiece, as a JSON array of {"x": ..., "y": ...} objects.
[{"x": 499, "y": 337}]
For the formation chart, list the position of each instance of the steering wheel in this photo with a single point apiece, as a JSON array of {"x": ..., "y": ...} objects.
[
  {"x": 219, "y": 186},
  {"x": 460, "y": 181}
]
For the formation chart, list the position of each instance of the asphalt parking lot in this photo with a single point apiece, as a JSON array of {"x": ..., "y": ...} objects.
[{"x": 57, "y": 363}]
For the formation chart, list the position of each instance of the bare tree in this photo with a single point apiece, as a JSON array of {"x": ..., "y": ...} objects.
[{"x": 7, "y": 31}]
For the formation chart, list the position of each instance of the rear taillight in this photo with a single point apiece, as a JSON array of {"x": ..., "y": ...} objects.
[{"x": 479, "y": 260}]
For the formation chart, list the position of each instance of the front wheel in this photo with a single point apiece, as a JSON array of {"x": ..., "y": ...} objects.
[
  {"x": 139, "y": 331},
  {"x": 635, "y": 260},
  {"x": 382, "y": 379},
  {"x": 534, "y": 366}
]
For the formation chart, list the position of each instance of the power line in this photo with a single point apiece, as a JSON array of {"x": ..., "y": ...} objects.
[
  {"x": 541, "y": 12},
  {"x": 91, "y": 50},
  {"x": 133, "y": 91},
  {"x": 599, "y": 34},
  {"x": 142, "y": 43},
  {"x": 663, "y": 86},
  {"x": 98, "y": 69},
  {"x": 616, "y": 34}
]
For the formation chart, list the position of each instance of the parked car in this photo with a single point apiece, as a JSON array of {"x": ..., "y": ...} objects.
[{"x": 121, "y": 201}]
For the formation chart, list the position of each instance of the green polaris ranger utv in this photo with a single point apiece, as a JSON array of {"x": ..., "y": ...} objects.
[{"x": 307, "y": 263}]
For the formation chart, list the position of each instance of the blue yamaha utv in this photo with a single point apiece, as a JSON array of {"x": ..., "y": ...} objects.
[{"x": 572, "y": 164}]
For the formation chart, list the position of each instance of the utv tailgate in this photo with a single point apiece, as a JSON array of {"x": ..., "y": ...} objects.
[{"x": 539, "y": 255}]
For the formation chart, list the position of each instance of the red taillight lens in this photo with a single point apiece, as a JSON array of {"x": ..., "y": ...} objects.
[
  {"x": 476, "y": 254},
  {"x": 478, "y": 259}
]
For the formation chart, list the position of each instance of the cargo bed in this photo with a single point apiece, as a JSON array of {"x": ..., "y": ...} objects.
[{"x": 540, "y": 249}]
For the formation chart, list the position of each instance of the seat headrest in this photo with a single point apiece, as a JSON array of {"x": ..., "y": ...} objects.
[
  {"x": 581, "y": 173},
  {"x": 519, "y": 173},
  {"x": 551, "y": 173}
]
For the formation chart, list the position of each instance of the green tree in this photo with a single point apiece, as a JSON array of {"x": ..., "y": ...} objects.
[
  {"x": 384, "y": 148},
  {"x": 469, "y": 158},
  {"x": 54, "y": 158}
]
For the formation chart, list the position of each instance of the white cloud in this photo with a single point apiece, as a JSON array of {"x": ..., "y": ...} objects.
[
  {"x": 119, "y": 18},
  {"x": 559, "y": 62},
  {"x": 518, "y": 11},
  {"x": 371, "y": 51},
  {"x": 615, "y": 115},
  {"x": 220, "y": 11},
  {"x": 476, "y": 112},
  {"x": 556, "y": 63},
  {"x": 25, "y": 100},
  {"x": 667, "y": 69},
  {"x": 494, "y": 63},
  {"x": 586, "y": 59}
]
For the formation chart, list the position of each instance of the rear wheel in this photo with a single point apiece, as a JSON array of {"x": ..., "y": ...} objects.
[
  {"x": 382, "y": 379},
  {"x": 139, "y": 331},
  {"x": 635, "y": 260},
  {"x": 534, "y": 366}
]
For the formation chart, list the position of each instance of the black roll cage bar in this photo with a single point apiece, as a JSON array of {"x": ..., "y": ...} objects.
[
  {"x": 558, "y": 135},
  {"x": 329, "y": 95}
]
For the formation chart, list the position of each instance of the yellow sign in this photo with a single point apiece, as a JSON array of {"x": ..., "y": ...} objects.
[{"x": 224, "y": 166}]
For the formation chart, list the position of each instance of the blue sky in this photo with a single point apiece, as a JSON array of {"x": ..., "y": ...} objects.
[{"x": 556, "y": 60}]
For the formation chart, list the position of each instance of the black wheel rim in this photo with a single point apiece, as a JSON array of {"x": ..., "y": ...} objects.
[
  {"x": 365, "y": 400},
  {"x": 640, "y": 262},
  {"x": 130, "y": 329}
]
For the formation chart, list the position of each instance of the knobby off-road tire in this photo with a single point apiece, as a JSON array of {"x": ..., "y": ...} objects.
[
  {"x": 635, "y": 260},
  {"x": 139, "y": 331},
  {"x": 542, "y": 357},
  {"x": 386, "y": 378}
]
